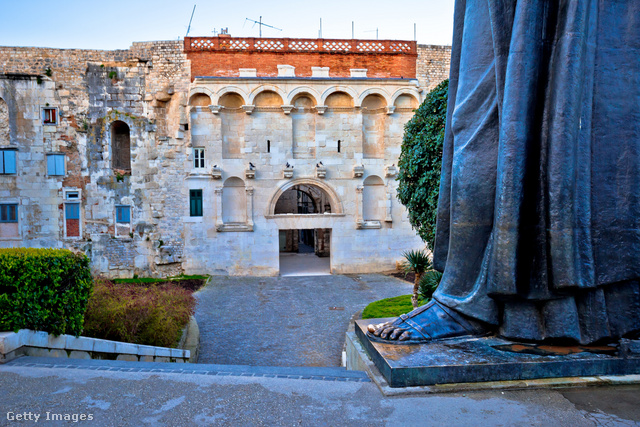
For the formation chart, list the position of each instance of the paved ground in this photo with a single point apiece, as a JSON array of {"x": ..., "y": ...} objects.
[
  {"x": 307, "y": 264},
  {"x": 116, "y": 398},
  {"x": 284, "y": 321}
]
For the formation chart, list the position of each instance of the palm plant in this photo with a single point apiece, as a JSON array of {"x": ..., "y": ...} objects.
[
  {"x": 418, "y": 262},
  {"x": 428, "y": 283}
]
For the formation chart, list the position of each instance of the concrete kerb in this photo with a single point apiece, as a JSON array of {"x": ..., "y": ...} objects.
[
  {"x": 42, "y": 344},
  {"x": 358, "y": 360}
]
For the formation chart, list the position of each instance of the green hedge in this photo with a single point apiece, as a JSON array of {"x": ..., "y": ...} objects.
[{"x": 43, "y": 289}]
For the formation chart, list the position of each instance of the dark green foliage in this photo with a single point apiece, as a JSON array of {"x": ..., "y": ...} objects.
[
  {"x": 43, "y": 289},
  {"x": 429, "y": 282},
  {"x": 153, "y": 315},
  {"x": 417, "y": 262},
  {"x": 420, "y": 162},
  {"x": 113, "y": 74}
]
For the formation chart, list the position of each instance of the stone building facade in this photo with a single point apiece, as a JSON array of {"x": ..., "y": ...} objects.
[{"x": 211, "y": 155}]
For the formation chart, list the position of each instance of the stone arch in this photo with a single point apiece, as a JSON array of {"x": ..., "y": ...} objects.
[
  {"x": 266, "y": 88},
  {"x": 120, "y": 145},
  {"x": 234, "y": 201},
  {"x": 406, "y": 91},
  {"x": 374, "y": 199},
  {"x": 229, "y": 89},
  {"x": 303, "y": 90},
  {"x": 268, "y": 98},
  {"x": 373, "y": 92},
  {"x": 199, "y": 100},
  {"x": 346, "y": 89},
  {"x": 5, "y": 135},
  {"x": 334, "y": 201},
  {"x": 200, "y": 92}
]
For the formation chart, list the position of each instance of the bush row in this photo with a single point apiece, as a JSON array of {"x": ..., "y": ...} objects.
[
  {"x": 43, "y": 289},
  {"x": 151, "y": 315}
]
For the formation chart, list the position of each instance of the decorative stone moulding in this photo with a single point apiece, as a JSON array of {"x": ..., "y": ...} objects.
[
  {"x": 215, "y": 109},
  {"x": 248, "y": 108},
  {"x": 390, "y": 109},
  {"x": 287, "y": 109},
  {"x": 321, "y": 109},
  {"x": 364, "y": 225},
  {"x": 288, "y": 172},
  {"x": 358, "y": 72},
  {"x": 248, "y": 72},
  {"x": 286, "y": 71},
  {"x": 234, "y": 226},
  {"x": 358, "y": 171},
  {"x": 391, "y": 171},
  {"x": 321, "y": 172},
  {"x": 250, "y": 173},
  {"x": 216, "y": 172},
  {"x": 320, "y": 72}
]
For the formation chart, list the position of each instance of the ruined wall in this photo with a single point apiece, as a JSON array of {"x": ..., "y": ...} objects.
[
  {"x": 91, "y": 90},
  {"x": 432, "y": 65}
]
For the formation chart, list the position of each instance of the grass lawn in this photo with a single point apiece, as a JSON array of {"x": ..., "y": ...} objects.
[{"x": 390, "y": 307}]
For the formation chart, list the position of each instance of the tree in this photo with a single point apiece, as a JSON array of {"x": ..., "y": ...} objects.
[{"x": 420, "y": 162}]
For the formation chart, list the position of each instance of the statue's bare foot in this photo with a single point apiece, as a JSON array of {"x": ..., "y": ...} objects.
[{"x": 427, "y": 323}]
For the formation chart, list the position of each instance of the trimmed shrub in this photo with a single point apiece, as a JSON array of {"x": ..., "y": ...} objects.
[
  {"x": 420, "y": 162},
  {"x": 43, "y": 289},
  {"x": 153, "y": 315}
]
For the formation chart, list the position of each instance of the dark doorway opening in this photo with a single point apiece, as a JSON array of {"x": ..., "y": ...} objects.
[{"x": 305, "y": 252}]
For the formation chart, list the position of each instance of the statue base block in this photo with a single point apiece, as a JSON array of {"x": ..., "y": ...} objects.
[{"x": 472, "y": 360}]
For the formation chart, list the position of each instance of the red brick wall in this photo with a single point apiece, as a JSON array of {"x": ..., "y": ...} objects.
[{"x": 223, "y": 57}]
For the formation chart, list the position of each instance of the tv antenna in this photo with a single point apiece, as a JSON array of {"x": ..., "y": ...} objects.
[
  {"x": 371, "y": 31},
  {"x": 189, "y": 28},
  {"x": 261, "y": 24}
]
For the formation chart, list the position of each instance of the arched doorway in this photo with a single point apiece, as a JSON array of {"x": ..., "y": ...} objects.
[{"x": 304, "y": 243}]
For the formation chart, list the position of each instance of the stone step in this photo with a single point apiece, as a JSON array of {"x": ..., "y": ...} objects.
[{"x": 296, "y": 372}]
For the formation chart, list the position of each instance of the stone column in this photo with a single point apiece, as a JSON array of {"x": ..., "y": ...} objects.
[
  {"x": 219, "y": 222},
  {"x": 359, "y": 204},
  {"x": 249, "y": 191}
]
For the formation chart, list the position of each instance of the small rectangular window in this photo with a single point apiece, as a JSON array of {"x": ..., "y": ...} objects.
[
  {"x": 195, "y": 201},
  {"x": 7, "y": 161},
  {"x": 9, "y": 212},
  {"x": 198, "y": 157},
  {"x": 55, "y": 164},
  {"x": 49, "y": 116},
  {"x": 123, "y": 214},
  {"x": 72, "y": 195}
]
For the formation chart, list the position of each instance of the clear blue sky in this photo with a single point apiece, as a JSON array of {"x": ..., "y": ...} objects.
[{"x": 114, "y": 24}]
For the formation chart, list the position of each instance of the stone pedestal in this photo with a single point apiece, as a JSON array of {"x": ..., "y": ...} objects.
[{"x": 474, "y": 360}]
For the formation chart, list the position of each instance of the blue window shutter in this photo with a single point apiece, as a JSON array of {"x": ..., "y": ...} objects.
[
  {"x": 59, "y": 164},
  {"x": 72, "y": 210},
  {"x": 127, "y": 214},
  {"x": 2, "y": 161},
  {"x": 9, "y": 161},
  {"x": 51, "y": 165}
]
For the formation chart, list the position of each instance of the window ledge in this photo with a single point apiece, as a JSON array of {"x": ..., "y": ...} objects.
[
  {"x": 365, "y": 225},
  {"x": 193, "y": 219},
  {"x": 234, "y": 226}
]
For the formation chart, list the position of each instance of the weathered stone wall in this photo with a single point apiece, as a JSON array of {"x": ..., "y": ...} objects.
[
  {"x": 236, "y": 120},
  {"x": 432, "y": 65}
]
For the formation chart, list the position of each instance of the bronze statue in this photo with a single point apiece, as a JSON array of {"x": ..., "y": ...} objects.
[{"x": 538, "y": 230}]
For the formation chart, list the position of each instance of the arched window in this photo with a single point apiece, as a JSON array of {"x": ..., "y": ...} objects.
[
  {"x": 373, "y": 199},
  {"x": 303, "y": 127},
  {"x": 373, "y": 124},
  {"x": 303, "y": 199},
  {"x": 232, "y": 123},
  {"x": 121, "y": 145},
  {"x": 234, "y": 201},
  {"x": 4, "y": 123}
]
